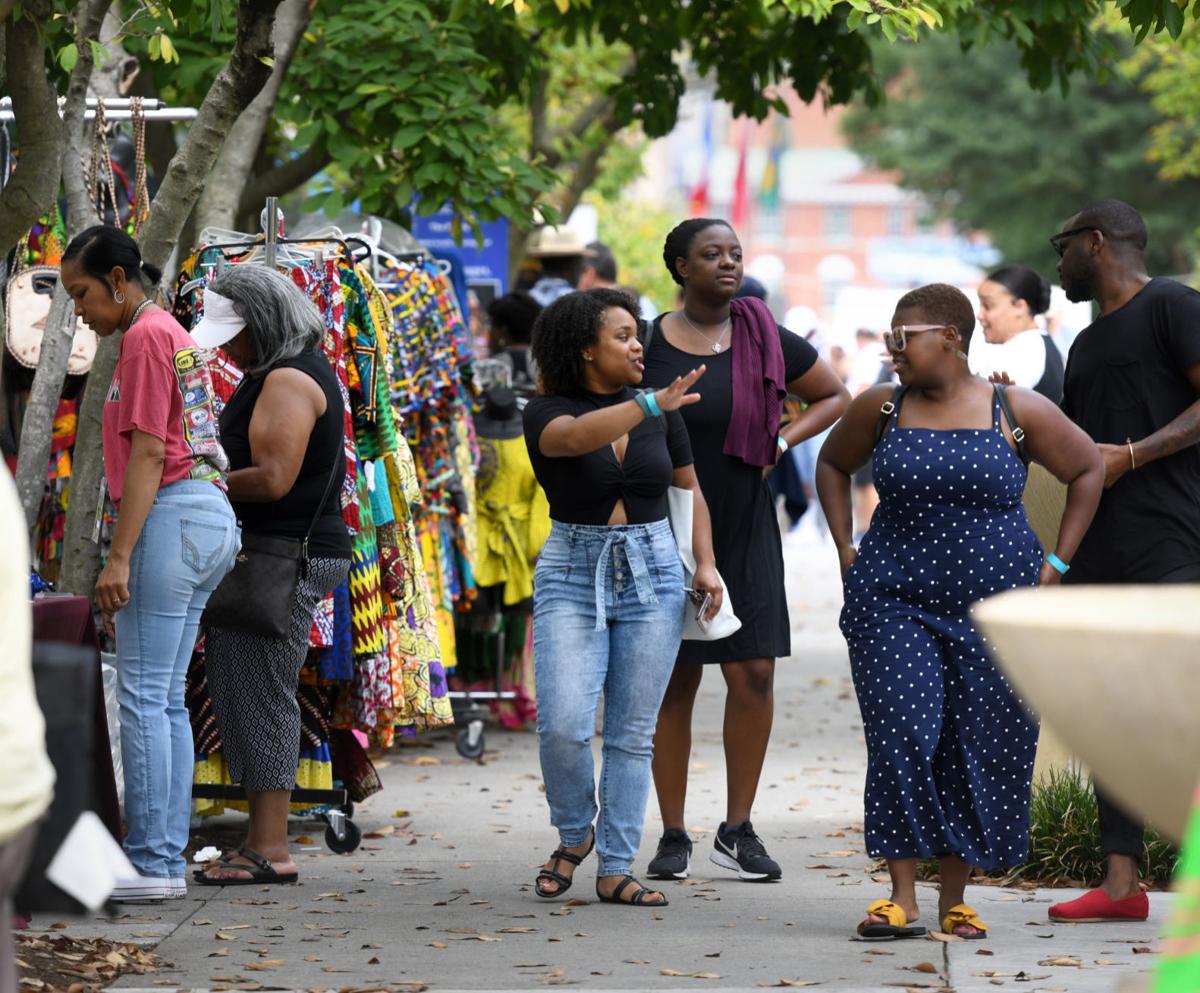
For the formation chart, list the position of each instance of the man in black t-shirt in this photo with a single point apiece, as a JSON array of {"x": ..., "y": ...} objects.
[{"x": 1133, "y": 384}]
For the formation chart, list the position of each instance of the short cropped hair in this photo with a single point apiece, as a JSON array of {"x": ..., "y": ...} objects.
[
  {"x": 679, "y": 241},
  {"x": 941, "y": 303},
  {"x": 565, "y": 328},
  {"x": 1116, "y": 219},
  {"x": 602, "y": 261}
]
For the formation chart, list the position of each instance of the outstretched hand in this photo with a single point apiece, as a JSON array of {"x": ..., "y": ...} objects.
[
  {"x": 676, "y": 395},
  {"x": 1001, "y": 379}
]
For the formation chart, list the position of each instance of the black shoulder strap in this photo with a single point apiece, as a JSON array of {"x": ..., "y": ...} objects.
[
  {"x": 1018, "y": 432},
  {"x": 333, "y": 473},
  {"x": 890, "y": 406}
]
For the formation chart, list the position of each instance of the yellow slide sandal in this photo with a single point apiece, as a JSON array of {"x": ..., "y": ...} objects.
[
  {"x": 896, "y": 927},
  {"x": 964, "y": 916}
]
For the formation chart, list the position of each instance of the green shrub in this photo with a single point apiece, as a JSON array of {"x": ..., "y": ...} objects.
[{"x": 1064, "y": 838}]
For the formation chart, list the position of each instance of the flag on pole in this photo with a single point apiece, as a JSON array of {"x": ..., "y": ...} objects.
[
  {"x": 698, "y": 196},
  {"x": 740, "y": 211},
  {"x": 768, "y": 187}
]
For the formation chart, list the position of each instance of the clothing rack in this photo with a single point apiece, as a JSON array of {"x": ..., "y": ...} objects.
[{"x": 117, "y": 109}]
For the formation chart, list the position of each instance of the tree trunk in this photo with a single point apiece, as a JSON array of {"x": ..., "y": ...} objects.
[
  {"x": 219, "y": 205},
  {"x": 33, "y": 185},
  {"x": 237, "y": 84},
  {"x": 33, "y": 451}
]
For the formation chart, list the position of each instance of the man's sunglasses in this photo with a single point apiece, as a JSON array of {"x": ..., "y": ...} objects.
[
  {"x": 1059, "y": 240},
  {"x": 896, "y": 339}
]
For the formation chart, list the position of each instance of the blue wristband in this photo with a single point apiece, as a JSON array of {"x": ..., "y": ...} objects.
[
  {"x": 643, "y": 406},
  {"x": 1058, "y": 563},
  {"x": 652, "y": 405}
]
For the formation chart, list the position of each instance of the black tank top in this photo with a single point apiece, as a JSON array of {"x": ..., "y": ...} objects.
[
  {"x": 291, "y": 515},
  {"x": 1051, "y": 383}
]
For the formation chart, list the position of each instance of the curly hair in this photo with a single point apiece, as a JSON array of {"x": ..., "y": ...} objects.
[
  {"x": 564, "y": 329},
  {"x": 679, "y": 241},
  {"x": 941, "y": 303}
]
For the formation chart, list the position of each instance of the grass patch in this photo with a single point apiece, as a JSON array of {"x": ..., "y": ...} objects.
[{"x": 1064, "y": 839}]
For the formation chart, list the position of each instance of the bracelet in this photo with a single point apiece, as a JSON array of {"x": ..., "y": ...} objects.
[
  {"x": 643, "y": 405},
  {"x": 1132, "y": 463},
  {"x": 652, "y": 405},
  {"x": 781, "y": 441},
  {"x": 1059, "y": 565}
]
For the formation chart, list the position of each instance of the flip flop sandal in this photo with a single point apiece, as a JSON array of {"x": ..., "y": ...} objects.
[
  {"x": 964, "y": 915},
  {"x": 897, "y": 925},
  {"x": 259, "y": 872},
  {"x": 637, "y": 900},
  {"x": 564, "y": 882}
]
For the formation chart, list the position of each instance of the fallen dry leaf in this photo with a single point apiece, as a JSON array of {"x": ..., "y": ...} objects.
[
  {"x": 222, "y": 936},
  {"x": 1064, "y": 962},
  {"x": 1143, "y": 950},
  {"x": 517, "y": 930},
  {"x": 1109, "y": 962},
  {"x": 402, "y": 813},
  {"x": 925, "y": 967},
  {"x": 876, "y": 951},
  {"x": 688, "y": 975},
  {"x": 303, "y": 839},
  {"x": 792, "y": 982},
  {"x": 940, "y": 936},
  {"x": 984, "y": 951}
]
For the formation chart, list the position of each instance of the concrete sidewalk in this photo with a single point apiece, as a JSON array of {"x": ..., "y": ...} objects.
[{"x": 442, "y": 893}]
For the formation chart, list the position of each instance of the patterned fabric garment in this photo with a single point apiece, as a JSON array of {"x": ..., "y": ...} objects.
[
  {"x": 950, "y": 749},
  {"x": 513, "y": 518}
]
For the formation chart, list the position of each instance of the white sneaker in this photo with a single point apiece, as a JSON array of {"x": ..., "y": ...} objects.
[
  {"x": 176, "y": 888},
  {"x": 141, "y": 889}
]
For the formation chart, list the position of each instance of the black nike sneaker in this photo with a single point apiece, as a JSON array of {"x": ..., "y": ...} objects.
[
  {"x": 741, "y": 850},
  {"x": 673, "y": 860}
]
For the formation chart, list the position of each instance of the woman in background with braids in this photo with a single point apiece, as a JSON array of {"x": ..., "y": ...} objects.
[{"x": 736, "y": 437}]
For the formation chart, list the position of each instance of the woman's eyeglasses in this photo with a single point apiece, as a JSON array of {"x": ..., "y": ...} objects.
[{"x": 896, "y": 339}]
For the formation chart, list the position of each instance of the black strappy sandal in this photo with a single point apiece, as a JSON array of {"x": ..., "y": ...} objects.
[
  {"x": 637, "y": 900},
  {"x": 259, "y": 872},
  {"x": 564, "y": 882}
]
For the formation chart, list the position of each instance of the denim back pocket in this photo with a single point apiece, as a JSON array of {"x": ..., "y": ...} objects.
[{"x": 203, "y": 545}]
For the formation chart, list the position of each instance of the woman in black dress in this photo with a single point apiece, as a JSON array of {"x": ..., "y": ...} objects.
[{"x": 736, "y": 439}]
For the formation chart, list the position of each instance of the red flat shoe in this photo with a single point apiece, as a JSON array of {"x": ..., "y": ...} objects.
[{"x": 1096, "y": 907}]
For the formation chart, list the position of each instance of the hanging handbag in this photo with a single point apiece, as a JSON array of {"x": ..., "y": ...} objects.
[
  {"x": 27, "y": 310},
  {"x": 258, "y": 593},
  {"x": 679, "y": 509}
]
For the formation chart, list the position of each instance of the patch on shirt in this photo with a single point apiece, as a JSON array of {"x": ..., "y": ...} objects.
[{"x": 200, "y": 429}]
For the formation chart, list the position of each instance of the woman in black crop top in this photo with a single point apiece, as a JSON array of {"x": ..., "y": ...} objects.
[
  {"x": 284, "y": 431},
  {"x": 608, "y": 596}
]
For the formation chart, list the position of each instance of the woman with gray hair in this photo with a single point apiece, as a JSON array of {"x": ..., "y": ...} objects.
[{"x": 283, "y": 432}]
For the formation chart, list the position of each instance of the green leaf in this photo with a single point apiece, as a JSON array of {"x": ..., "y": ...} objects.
[{"x": 68, "y": 55}]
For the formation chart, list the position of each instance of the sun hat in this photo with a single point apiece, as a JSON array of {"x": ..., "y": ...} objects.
[
  {"x": 552, "y": 241},
  {"x": 221, "y": 322}
]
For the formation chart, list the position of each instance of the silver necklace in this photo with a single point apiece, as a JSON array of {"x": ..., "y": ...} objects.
[
  {"x": 715, "y": 345},
  {"x": 138, "y": 312}
]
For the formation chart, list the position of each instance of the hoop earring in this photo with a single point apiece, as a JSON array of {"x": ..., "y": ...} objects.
[{"x": 118, "y": 296}]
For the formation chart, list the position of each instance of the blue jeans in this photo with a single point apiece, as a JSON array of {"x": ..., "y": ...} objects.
[
  {"x": 607, "y": 615},
  {"x": 186, "y": 546}
]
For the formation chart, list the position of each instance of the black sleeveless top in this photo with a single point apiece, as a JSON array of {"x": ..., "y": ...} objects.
[
  {"x": 1051, "y": 384},
  {"x": 291, "y": 515}
]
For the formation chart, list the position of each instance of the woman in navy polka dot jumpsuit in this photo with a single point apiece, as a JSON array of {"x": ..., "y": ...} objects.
[{"x": 949, "y": 748}]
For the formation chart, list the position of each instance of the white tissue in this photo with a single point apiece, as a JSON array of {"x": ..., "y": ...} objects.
[{"x": 89, "y": 862}]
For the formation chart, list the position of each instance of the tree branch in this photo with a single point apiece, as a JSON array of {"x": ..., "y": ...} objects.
[
  {"x": 31, "y": 189},
  {"x": 539, "y": 143},
  {"x": 33, "y": 452},
  {"x": 586, "y": 171},
  {"x": 222, "y": 196},
  {"x": 236, "y": 85},
  {"x": 283, "y": 178}
]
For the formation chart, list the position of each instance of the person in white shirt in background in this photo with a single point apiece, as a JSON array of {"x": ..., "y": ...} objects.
[
  {"x": 1011, "y": 299},
  {"x": 26, "y": 775}
]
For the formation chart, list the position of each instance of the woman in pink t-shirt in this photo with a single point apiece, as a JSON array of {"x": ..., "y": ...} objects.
[{"x": 175, "y": 538}]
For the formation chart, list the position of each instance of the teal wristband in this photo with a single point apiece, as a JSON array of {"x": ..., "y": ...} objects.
[
  {"x": 1060, "y": 566},
  {"x": 652, "y": 405},
  {"x": 643, "y": 404}
]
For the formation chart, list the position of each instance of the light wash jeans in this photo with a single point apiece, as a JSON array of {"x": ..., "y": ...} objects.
[
  {"x": 186, "y": 546},
  {"x": 607, "y": 615}
]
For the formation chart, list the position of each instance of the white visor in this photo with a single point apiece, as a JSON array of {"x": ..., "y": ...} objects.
[{"x": 220, "y": 323}]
